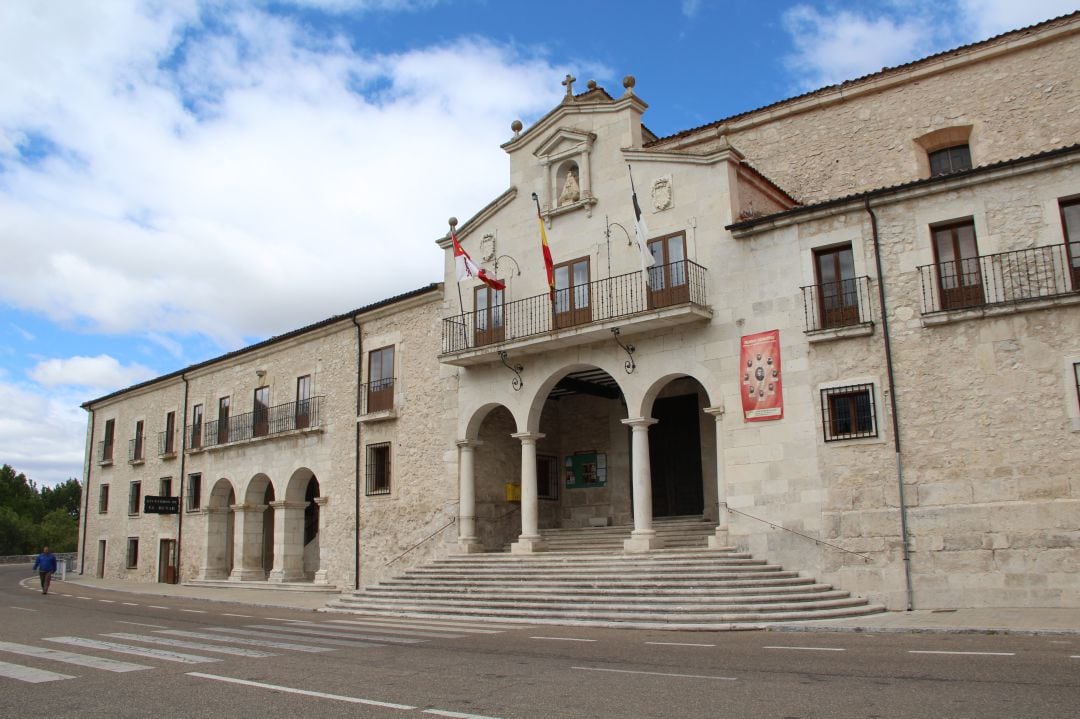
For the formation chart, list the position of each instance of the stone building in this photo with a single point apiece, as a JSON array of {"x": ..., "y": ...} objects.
[{"x": 849, "y": 339}]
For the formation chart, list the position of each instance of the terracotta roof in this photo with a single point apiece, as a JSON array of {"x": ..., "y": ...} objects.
[
  {"x": 273, "y": 340},
  {"x": 881, "y": 73}
]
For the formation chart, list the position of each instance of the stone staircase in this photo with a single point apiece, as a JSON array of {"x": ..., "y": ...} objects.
[{"x": 585, "y": 579}]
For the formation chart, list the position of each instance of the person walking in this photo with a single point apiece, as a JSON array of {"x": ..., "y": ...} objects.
[{"x": 45, "y": 564}]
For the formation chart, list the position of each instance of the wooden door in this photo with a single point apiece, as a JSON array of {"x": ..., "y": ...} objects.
[
  {"x": 959, "y": 276},
  {"x": 668, "y": 283},
  {"x": 488, "y": 325},
  {"x": 573, "y": 302},
  {"x": 675, "y": 457}
]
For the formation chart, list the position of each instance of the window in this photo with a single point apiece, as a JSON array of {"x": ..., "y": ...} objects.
[
  {"x": 378, "y": 469},
  {"x": 1070, "y": 226},
  {"x": 667, "y": 276},
  {"x": 848, "y": 412},
  {"x": 1076, "y": 376},
  {"x": 488, "y": 304},
  {"x": 303, "y": 402},
  {"x": 103, "y": 500},
  {"x": 133, "y": 553},
  {"x": 838, "y": 295},
  {"x": 380, "y": 393},
  {"x": 107, "y": 443},
  {"x": 223, "y": 420},
  {"x": 572, "y": 293},
  {"x": 137, "y": 443},
  {"x": 958, "y": 273},
  {"x": 196, "y": 426},
  {"x": 547, "y": 477},
  {"x": 950, "y": 159},
  {"x": 194, "y": 492},
  {"x": 261, "y": 414},
  {"x": 168, "y": 444},
  {"x": 165, "y": 487},
  {"x": 134, "y": 497}
]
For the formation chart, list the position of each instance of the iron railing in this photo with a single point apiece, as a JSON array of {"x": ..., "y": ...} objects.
[
  {"x": 999, "y": 279},
  {"x": 135, "y": 449},
  {"x": 166, "y": 443},
  {"x": 837, "y": 304},
  {"x": 260, "y": 423},
  {"x": 377, "y": 396},
  {"x": 105, "y": 452},
  {"x": 620, "y": 296}
]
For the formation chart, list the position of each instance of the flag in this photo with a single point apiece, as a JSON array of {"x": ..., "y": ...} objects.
[
  {"x": 467, "y": 269},
  {"x": 548, "y": 265},
  {"x": 641, "y": 234}
]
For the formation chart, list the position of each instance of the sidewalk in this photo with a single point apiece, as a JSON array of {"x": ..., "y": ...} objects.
[{"x": 1020, "y": 621}]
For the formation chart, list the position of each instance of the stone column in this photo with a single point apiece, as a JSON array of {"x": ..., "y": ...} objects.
[
  {"x": 468, "y": 542},
  {"x": 530, "y": 540},
  {"x": 247, "y": 543},
  {"x": 216, "y": 544},
  {"x": 288, "y": 542},
  {"x": 321, "y": 574},
  {"x": 643, "y": 538},
  {"x": 720, "y": 539}
]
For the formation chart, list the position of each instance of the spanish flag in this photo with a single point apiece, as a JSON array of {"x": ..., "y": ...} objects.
[{"x": 548, "y": 265}]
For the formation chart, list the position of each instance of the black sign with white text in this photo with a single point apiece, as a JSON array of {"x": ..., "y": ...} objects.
[{"x": 161, "y": 505}]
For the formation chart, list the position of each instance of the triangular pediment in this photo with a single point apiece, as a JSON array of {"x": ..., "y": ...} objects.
[{"x": 563, "y": 141}]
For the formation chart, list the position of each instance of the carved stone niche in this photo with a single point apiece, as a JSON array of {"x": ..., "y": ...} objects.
[{"x": 565, "y": 155}]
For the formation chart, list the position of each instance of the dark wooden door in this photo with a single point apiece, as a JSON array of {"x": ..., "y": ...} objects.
[
  {"x": 668, "y": 283},
  {"x": 675, "y": 456}
]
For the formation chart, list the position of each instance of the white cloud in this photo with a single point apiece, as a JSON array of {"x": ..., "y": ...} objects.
[
  {"x": 690, "y": 7},
  {"x": 41, "y": 435},
  {"x": 992, "y": 17},
  {"x": 97, "y": 373}
]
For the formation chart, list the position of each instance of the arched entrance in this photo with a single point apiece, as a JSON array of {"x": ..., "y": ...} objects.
[
  {"x": 682, "y": 451},
  {"x": 254, "y": 531},
  {"x": 497, "y": 463},
  {"x": 220, "y": 526}
]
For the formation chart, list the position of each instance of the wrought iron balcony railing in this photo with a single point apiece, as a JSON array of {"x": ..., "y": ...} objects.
[
  {"x": 626, "y": 295},
  {"x": 378, "y": 396},
  {"x": 166, "y": 443},
  {"x": 105, "y": 452},
  {"x": 135, "y": 450},
  {"x": 260, "y": 423},
  {"x": 832, "y": 305},
  {"x": 1000, "y": 279}
]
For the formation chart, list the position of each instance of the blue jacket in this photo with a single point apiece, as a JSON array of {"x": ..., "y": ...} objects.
[{"x": 45, "y": 563}]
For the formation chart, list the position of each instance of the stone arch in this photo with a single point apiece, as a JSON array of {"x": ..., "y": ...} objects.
[
  {"x": 477, "y": 416},
  {"x": 298, "y": 545},
  {"x": 220, "y": 530},
  {"x": 544, "y": 388}
]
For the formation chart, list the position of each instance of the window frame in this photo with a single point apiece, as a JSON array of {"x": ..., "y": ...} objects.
[
  {"x": 260, "y": 411},
  {"x": 196, "y": 426},
  {"x": 380, "y": 385},
  {"x": 547, "y": 487},
  {"x": 193, "y": 493},
  {"x": 302, "y": 408},
  {"x": 669, "y": 282},
  {"x": 134, "y": 498},
  {"x": 108, "y": 441},
  {"x": 573, "y": 303},
  {"x": 131, "y": 556},
  {"x": 224, "y": 404},
  {"x": 489, "y": 315},
  {"x": 968, "y": 289},
  {"x": 165, "y": 487},
  {"x": 138, "y": 447},
  {"x": 850, "y": 393},
  {"x": 170, "y": 432},
  {"x": 841, "y": 308},
  {"x": 957, "y": 158},
  {"x": 378, "y": 469},
  {"x": 1071, "y": 237},
  {"x": 103, "y": 499}
]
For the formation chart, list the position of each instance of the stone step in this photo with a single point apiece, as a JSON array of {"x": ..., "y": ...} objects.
[
  {"x": 631, "y": 593},
  {"x": 776, "y": 579},
  {"x": 662, "y": 555},
  {"x": 597, "y": 573},
  {"x": 553, "y": 599}
]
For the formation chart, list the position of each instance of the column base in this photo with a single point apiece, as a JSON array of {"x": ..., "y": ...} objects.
[
  {"x": 247, "y": 575},
  {"x": 279, "y": 576},
  {"x": 468, "y": 545},
  {"x": 322, "y": 577},
  {"x": 528, "y": 545},
  {"x": 205, "y": 573},
  {"x": 720, "y": 539},
  {"x": 643, "y": 541}
]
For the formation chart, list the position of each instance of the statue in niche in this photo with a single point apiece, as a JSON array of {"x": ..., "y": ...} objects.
[{"x": 571, "y": 192}]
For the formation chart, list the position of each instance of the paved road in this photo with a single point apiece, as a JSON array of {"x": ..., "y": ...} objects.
[{"x": 83, "y": 652}]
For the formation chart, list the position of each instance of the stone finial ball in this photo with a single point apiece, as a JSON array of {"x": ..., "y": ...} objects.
[
  {"x": 628, "y": 82},
  {"x": 591, "y": 84},
  {"x": 453, "y": 221},
  {"x": 516, "y": 125}
]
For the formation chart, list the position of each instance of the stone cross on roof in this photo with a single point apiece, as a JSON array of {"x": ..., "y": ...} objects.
[{"x": 569, "y": 83}]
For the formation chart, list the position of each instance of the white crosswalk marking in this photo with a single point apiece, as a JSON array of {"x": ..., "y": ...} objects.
[
  {"x": 393, "y": 631},
  {"x": 137, "y": 651},
  {"x": 346, "y": 635},
  {"x": 82, "y": 660},
  {"x": 463, "y": 627},
  {"x": 244, "y": 640},
  {"x": 287, "y": 636},
  {"x": 181, "y": 644},
  {"x": 30, "y": 674}
]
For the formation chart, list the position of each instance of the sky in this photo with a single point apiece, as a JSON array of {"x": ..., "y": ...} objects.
[{"x": 182, "y": 178}]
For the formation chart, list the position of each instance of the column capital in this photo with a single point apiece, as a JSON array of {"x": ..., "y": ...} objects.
[
  {"x": 527, "y": 437},
  {"x": 248, "y": 507},
  {"x": 321, "y": 501},
  {"x": 717, "y": 412},
  {"x": 639, "y": 422},
  {"x": 285, "y": 504},
  {"x": 468, "y": 443}
]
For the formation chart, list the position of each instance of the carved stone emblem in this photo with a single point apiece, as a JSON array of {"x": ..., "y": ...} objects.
[{"x": 661, "y": 193}]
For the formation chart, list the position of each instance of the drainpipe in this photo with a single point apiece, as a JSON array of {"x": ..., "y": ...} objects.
[
  {"x": 86, "y": 495},
  {"x": 356, "y": 456},
  {"x": 180, "y": 498},
  {"x": 904, "y": 534}
]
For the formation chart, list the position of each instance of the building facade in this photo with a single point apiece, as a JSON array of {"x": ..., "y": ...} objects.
[{"x": 847, "y": 333}]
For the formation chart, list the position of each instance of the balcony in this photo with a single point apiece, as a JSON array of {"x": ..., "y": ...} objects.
[
  {"x": 1038, "y": 276},
  {"x": 377, "y": 400},
  {"x": 269, "y": 422},
  {"x": 135, "y": 450},
  {"x": 105, "y": 453},
  {"x": 838, "y": 306},
  {"x": 579, "y": 315},
  {"x": 166, "y": 444}
]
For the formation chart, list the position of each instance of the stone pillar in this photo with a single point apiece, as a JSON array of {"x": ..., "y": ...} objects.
[
  {"x": 468, "y": 542},
  {"x": 720, "y": 539},
  {"x": 643, "y": 538},
  {"x": 321, "y": 574},
  {"x": 288, "y": 542},
  {"x": 530, "y": 540},
  {"x": 247, "y": 543},
  {"x": 216, "y": 544}
]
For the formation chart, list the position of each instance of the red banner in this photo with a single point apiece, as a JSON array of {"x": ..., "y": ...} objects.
[{"x": 762, "y": 390}]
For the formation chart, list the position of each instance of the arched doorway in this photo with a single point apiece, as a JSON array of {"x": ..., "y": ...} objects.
[
  {"x": 220, "y": 527},
  {"x": 680, "y": 444},
  {"x": 267, "y": 558},
  {"x": 497, "y": 464},
  {"x": 311, "y": 529}
]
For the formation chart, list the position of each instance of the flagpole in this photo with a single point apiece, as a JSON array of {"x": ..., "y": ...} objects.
[{"x": 461, "y": 303}]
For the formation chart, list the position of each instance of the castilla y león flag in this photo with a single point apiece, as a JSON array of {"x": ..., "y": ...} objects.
[{"x": 467, "y": 269}]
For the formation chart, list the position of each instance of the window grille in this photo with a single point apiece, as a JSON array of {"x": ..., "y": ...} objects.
[
  {"x": 848, "y": 412},
  {"x": 132, "y": 552},
  {"x": 134, "y": 497},
  {"x": 194, "y": 492},
  {"x": 103, "y": 500},
  {"x": 377, "y": 469}
]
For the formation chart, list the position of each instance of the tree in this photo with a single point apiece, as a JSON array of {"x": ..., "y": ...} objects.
[
  {"x": 65, "y": 496},
  {"x": 30, "y": 518}
]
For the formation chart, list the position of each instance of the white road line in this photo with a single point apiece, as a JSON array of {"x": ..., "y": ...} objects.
[
  {"x": 655, "y": 674},
  {"x": 244, "y": 616},
  {"x": 30, "y": 674},
  {"x": 107, "y": 601},
  {"x": 246, "y": 641},
  {"x": 130, "y": 604},
  {"x": 293, "y": 637},
  {"x": 450, "y": 626},
  {"x": 810, "y": 649},
  {"x": 137, "y": 651},
  {"x": 154, "y": 606},
  {"x": 337, "y": 634},
  {"x": 391, "y": 632},
  {"x": 564, "y": 639},
  {"x": 1075, "y": 656},
  {"x": 294, "y": 621},
  {"x": 678, "y": 644},
  {"x": 455, "y": 715},
  {"x": 972, "y": 654},
  {"x": 303, "y": 692},
  {"x": 141, "y": 624},
  {"x": 86, "y": 598},
  {"x": 82, "y": 660},
  {"x": 25, "y": 609},
  {"x": 194, "y": 611},
  {"x": 181, "y": 644}
]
